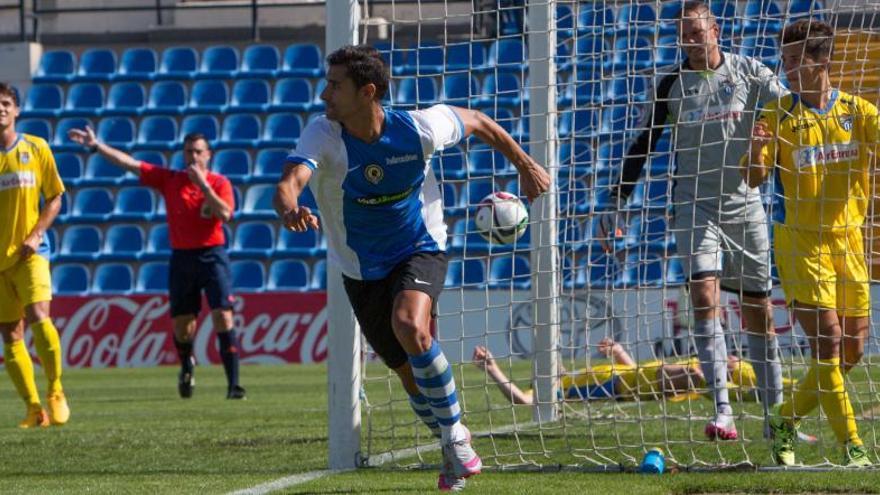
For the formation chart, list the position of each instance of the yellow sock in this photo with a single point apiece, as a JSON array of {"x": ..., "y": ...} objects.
[
  {"x": 21, "y": 371},
  {"x": 49, "y": 349},
  {"x": 806, "y": 396},
  {"x": 835, "y": 402}
]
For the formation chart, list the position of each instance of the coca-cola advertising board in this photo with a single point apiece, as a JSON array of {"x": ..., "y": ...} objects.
[{"x": 136, "y": 330}]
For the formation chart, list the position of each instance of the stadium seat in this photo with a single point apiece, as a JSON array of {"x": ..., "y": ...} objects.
[
  {"x": 259, "y": 61},
  {"x": 579, "y": 123},
  {"x": 584, "y": 88},
  {"x": 667, "y": 51},
  {"x": 281, "y": 130},
  {"x": 248, "y": 276},
  {"x": 70, "y": 279},
  {"x": 70, "y": 168},
  {"x": 418, "y": 92},
  {"x": 762, "y": 18},
  {"x": 102, "y": 172},
  {"x": 426, "y": 60},
  {"x": 594, "y": 19},
  {"x": 466, "y": 240},
  {"x": 96, "y": 64},
  {"x": 765, "y": 49},
  {"x": 628, "y": 89},
  {"x": 508, "y": 55},
  {"x": 610, "y": 155},
  {"x": 80, "y": 243},
  {"x": 647, "y": 233},
  {"x": 319, "y": 276},
  {"x": 451, "y": 201},
  {"x": 51, "y": 238},
  {"x": 633, "y": 54},
  {"x": 158, "y": 244},
  {"x": 177, "y": 161},
  {"x": 152, "y": 157},
  {"x": 636, "y": 19},
  {"x": 123, "y": 242},
  {"x": 642, "y": 270},
  {"x": 449, "y": 164},
  {"x": 299, "y": 244},
  {"x": 208, "y": 97},
  {"x": 56, "y": 66},
  {"x": 64, "y": 214},
  {"x": 218, "y": 62},
  {"x": 258, "y": 202},
  {"x": 668, "y": 17},
  {"x": 465, "y": 56},
  {"x": 288, "y": 275},
  {"x": 234, "y": 164},
  {"x": 35, "y": 127},
  {"x": 598, "y": 271},
  {"x": 725, "y": 14},
  {"x": 484, "y": 161},
  {"x": 253, "y": 240},
  {"x": 269, "y": 164},
  {"x": 43, "y": 100},
  {"x": 166, "y": 98},
  {"x": 239, "y": 131},
  {"x": 465, "y": 273},
  {"x": 205, "y": 124},
  {"x": 153, "y": 278},
  {"x": 500, "y": 90},
  {"x": 565, "y": 22},
  {"x": 157, "y": 132},
  {"x": 137, "y": 64},
  {"x": 178, "y": 62},
  {"x": 134, "y": 204},
  {"x": 113, "y": 278},
  {"x": 393, "y": 55},
  {"x": 650, "y": 194},
  {"x": 593, "y": 54},
  {"x": 302, "y": 60},
  {"x": 249, "y": 95},
  {"x": 510, "y": 272},
  {"x": 317, "y": 103},
  {"x": 292, "y": 95},
  {"x": 458, "y": 89},
  {"x": 84, "y": 99},
  {"x": 126, "y": 98},
  {"x": 92, "y": 205},
  {"x": 619, "y": 119},
  {"x": 117, "y": 132},
  {"x": 573, "y": 196},
  {"x": 575, "y": 159}
]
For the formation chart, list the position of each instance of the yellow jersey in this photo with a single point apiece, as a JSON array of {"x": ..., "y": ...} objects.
[
  {"x": 822, "y": 159},
  {"x": 27, "y": 171}
]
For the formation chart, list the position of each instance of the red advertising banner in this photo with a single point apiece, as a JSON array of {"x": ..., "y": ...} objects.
[{"x": 136, "y": 330}]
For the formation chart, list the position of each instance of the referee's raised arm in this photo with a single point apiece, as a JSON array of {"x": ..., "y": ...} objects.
[{"x": 87, "y": 138}]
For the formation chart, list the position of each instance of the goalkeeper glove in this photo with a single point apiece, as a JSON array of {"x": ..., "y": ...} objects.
[{"x": 611, "y": 225}]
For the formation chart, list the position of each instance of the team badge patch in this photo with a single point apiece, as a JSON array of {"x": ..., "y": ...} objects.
[
  {"x": 374, "y": 174},
  {"x": 24, "y": 157},
  {"x": 846, "y": 122},
  {"x": 728, "y": 87}
]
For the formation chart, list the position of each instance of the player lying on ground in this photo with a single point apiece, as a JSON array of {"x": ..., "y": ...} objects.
[{"x": 819, "y": 141}]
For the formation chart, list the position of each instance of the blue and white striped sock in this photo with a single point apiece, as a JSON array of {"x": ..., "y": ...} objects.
[
  {"x": 422, "y": 408},
  {"x": 434, "y": 378}
]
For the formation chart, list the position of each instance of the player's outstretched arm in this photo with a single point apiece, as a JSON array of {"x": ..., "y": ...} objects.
[
  {"x": 754, "y": 169},
  {"x": 484, "y": 360},
  {"x": 616, "y": 352},
  {"x": 31, "y": 243},
  {"x": 286, "y": 200},
  {"x": 87, "y": 138},
  {"x": 534, "y": 180}
]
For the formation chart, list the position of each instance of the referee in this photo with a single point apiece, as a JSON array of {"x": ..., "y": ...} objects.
[{"x": 198, "y": 203}]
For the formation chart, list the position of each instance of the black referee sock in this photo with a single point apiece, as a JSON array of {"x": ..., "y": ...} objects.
[
  {"x": 229, "y": 354},
  {"x": 184, "y": 351}
]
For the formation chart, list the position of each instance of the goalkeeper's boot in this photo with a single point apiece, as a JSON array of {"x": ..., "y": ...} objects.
[
  {"x": 721, "y": 427},
  {"x": 447, "y": 481},
  {"x": 59, "y": 412},
  {"x": 856, "y": 456},
  {"x": 186, "y": 381},
  {"x": 465, "y": 461},
  {"x": 784, "y": 432},
  {"x": 35, "y": 417},
  {"x": 236, "y": 392}
]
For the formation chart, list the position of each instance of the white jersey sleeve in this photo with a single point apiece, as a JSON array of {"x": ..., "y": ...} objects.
[
  {"x": 317, "y": 145},
  {"x": 771, "y": 89},
  {"x": 439, "y": 127}
]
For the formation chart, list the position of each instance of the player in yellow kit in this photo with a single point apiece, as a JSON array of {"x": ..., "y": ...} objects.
[
  {"x": 819, "y": 141},
  {"x": 27, "y": 172}
]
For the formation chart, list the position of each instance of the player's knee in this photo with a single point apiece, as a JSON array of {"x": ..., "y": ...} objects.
[
  {"x": 184, "y": 327},
  {"x": 12, "y": 332},
  {"x": 37, "y": 311},
  {"x": 407, "y": 328},
  {"x": 223, "y": 320}
]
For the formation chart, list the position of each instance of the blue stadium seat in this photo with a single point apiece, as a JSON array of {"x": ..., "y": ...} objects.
[
  {"x": 761, "y": 17},
  {"x": 167, "y": 98},
  {"x": 137, "y": 64},
  {"x": 70, "y": 168},
  {"x": 260, "y": 61},
  {"x": 56, "y": 66},
  {"x": 127, "y": 98},
  {"x": 248, "y": 276},
  {"x": 158, "y": 243},
  {"x": 288, "y": 275},
  {"x": 134, "y": 204},
  {"x": 35, "y": 127},
  {"x": 113, "y": 278},
  {"x": 218, "y": 62},
  {"x": 153, "y": 278},
  {"x": 117, "y": 132},
  {"x": 152, "y": 157},
  {"x": 302, "y": 60},
  {"x": 80, "y": 243},
  {"x": 649, "y": 232},
  {"x": 94, "y": 204},
  {"x": 618, "y": 119},
  {"x": 51, "y": 238},
  {"x": 319, "y": 276},
  {"x": 633, "y": 54},
  {"x": 418, "y": 92},
  {"x": 317, "y": 103},
  {"x": 96, "y": 64},
  {"x": 598, "y": 271},
  {"x": 123, "y": 242},
  {"x": 177, "y": 161},
  {"x": 299, "y": 244},
  {"x": 667, "y": 51},
  {"x": 465, "y": 56},
  {"x": 209, "y": 96},
  {"x": 725, "y": 14},
  {"x": 449, "y": 164},
  {"x": 668, "y": 17},
  {"x": 84, "y": 99},
  {"x": 650, "y": 194},
  {"x": 642, "y": 270},
  {"x": 764, "y": 48},
  {"x": 66, "y": 208},
  {"x": 292, "y": 95},
  {"x": 593, "y": 53},
  {"x": 43, "y": 100},
  {"x": 500, "y": 90},
  {"x": 510, "y": 272},
  {"x": 565, "y": 22},
  {"x": 239, "y": 131},
  {"x": 258, "y": 202},
  {"x": 636, "y": 19},
  {"x": 426, "y": 60},
  {"x": 102, "y": 172},
  {"x": 475, "y": 190},
  {"x": 157, "y": 132},
  {"x": 70, "y": 279},
  {"x": 594, "y": 19},
  {"x": 253, "y": 240},
  {"x": 451, "y": 201},
  {"x": 584, "y": 88},
  {"x": 458, "y": 89},
  {"x": 178, "y": 62},
  {"x": 465, "y": 273},
  {"x": 610, "y": 155},
  {"x": 573, "y": 196},
  {"x": 281, "y": 130},
  {"x": 205, "y": 124},
  {"x": 234, "y": 164},
  {"x": 269, "y": 164},
  {"x": 628, "y": 89},
  {"x": 465, "y": 239},
  {"x": 394, "y": 55},
  {"x": 249, "y": 95},
  {"x": 675, "y": 272},
  {"x": 508, "y": 54},
  {"x": 484, "y": 161},
  {"x": 579, "y": 123},
  {"x": 575, "y": 159}
]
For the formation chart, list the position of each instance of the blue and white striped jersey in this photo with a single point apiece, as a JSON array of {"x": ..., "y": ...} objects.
[{"x": 379, "y": 201}]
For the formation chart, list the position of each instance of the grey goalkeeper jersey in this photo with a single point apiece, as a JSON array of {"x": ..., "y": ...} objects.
[{"x": 711, "y": 114}]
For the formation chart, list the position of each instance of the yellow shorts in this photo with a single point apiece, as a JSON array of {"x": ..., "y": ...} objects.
[
  {"x": 824, "y": 269},
  {"x": 643, "y": 381},
  {"x": 24, "y": 284}
]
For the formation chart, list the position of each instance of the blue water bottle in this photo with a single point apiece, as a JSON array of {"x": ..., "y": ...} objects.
[{"x": 653, "y": 462}]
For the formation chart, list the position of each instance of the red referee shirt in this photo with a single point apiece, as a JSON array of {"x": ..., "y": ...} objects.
[{"x": 187, "y": 228}]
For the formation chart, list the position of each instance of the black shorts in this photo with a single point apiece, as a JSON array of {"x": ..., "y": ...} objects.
[
  {"x": 193, "y": 270},
  {"x": 373, "y": 300}
]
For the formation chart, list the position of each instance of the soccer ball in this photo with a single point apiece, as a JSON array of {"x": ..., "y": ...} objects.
[{"x": 501, "y": 218}]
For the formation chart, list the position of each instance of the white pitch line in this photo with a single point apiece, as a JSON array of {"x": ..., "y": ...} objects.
[{"x": 287, "y": 481}]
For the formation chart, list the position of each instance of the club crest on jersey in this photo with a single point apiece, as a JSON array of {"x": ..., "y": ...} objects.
[
  {"x": 374, "y": 174},
  {"x": 846, "y": 122},
  {"x": 24, "y": 157},
  {"x": 728, "y": 87}
]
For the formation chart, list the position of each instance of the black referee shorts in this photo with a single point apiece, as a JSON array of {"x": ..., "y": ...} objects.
[
  {"x": 373, "y": 300},
  {"x": 191, "y": 271}
]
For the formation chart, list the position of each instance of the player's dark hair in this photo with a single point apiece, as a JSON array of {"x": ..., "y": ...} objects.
[
  {"x": 364, "y": 65},
  {"x": 697, "y": 7},
  {"x": 196, "y": 136},
  {"x": 817, "y": 37},
  {"x": 9, "y": 90}
]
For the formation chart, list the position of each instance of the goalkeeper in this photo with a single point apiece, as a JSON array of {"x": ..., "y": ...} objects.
[
  {"x": 719, "y": 222},
  {"x": 818, "y": 141}
]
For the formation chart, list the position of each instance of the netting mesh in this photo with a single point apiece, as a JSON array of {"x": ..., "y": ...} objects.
[{"x": 608, "y": 56}]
